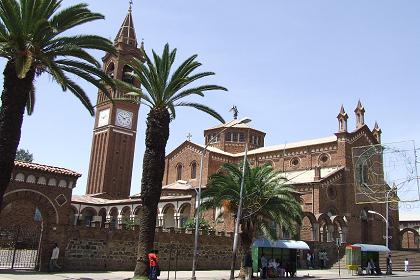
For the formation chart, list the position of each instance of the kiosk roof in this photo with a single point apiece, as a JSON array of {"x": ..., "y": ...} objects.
[
  {"x": 372, "y": 248},
  {"x": 283, "y": 244}
]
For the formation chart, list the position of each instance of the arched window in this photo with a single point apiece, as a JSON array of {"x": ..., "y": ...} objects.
[
  {"x": 193, "y": 170},
  {"x": 110, "y": 70},
  {"x": 179, "y": 172},
  {"x": 127, "y": 74}
]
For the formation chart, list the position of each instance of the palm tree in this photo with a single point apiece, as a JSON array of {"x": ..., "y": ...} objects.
[
  {"x": 267, "y": 201},
  {"x": 33, "y": 42},
  {"x": 165, "y": 89}
]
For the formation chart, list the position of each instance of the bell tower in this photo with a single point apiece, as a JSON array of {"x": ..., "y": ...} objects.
[{"x": 115, "y": 128}]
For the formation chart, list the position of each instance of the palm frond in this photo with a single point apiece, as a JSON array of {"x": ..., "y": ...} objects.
[{"x": 202, "y": 108}]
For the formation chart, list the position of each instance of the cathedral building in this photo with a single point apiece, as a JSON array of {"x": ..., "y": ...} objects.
[{"x": 320, "y": 170}]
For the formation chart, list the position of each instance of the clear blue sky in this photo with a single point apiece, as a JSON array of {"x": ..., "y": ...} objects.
[{"x": 289, "y": 65}]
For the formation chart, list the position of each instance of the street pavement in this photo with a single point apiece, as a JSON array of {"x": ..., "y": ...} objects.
[{"x": 184, "y": 275}]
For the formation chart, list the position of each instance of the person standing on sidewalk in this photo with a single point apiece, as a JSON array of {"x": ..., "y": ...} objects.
[
  {"x": 308, "y": 259},
  {"x": 248, "y": 265},
  {"x": 389, "y": 265},
  {"x": 54, "y": 258},
  {"x": 406, "y": 265},
  {"x": 264, "y": 266},
  {"x": 154, "y": 270}
]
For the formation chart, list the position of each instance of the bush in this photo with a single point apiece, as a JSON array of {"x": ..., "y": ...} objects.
[{"x": 190, "y": 224}]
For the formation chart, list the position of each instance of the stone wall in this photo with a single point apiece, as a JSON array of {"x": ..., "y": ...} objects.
[{"x": 106, "y": 249}]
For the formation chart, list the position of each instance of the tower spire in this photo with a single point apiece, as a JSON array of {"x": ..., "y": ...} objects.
[
  {"x": 377, "y": 131},
  {"x": 360, "y": 115},
  {"x": 127, "y": 33},
  {"x": 342, "y": 120}
]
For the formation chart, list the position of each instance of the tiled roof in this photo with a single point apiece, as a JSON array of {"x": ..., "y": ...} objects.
[
  {"x": 46, "y": 168},
  {"x": 178, "y": 185},
  {"x": 273, "y": 148},
  {"x": 307, "y": 176},
  {"x": 409, "y": 216},
  {"x": 232, "y": 123},
  {"x": 135, "y": 199},
  {"x": 96, "y": 200}
]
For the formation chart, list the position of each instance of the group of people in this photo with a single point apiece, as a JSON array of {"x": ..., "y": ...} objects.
[
  {"x": 322, "y": 259},
  {"x": 274, "y": 268}
]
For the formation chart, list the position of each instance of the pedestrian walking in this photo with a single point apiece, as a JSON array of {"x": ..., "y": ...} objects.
[
  {"x": 406, "y": 265},
  {"x": 308, "y": 259},
  {"x": 321, "y": 259},
  {"x": 264, "y": 266},
  {"x": 154, "y": 270},
  {"x": 313, "y": 260},
  {"x": 325, "y": 259},
  {"x": 248, "y": 265},
  {"x": 389, "y": 264},
  {"x": 54, "y": 258}
]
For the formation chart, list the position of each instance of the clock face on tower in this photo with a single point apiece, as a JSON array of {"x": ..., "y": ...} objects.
[
  {"x": 103, "y": 118},
  {"x": 124, "y": 118}
]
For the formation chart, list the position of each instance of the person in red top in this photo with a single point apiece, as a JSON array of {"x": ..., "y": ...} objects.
[{"x": 153, "y": 265}]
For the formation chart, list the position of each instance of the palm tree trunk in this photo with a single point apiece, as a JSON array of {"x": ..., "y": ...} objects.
[
  {"x": 246, "y": 242},
  {"x": 157, "y": 135},
  {"x": 13, "y": 101}
]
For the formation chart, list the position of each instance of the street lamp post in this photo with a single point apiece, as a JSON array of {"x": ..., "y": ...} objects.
[
  {"x": 238, "y": 214},
  {"x": 386, "y": 225},
  {"x": 198, "y": 198},
  {"x": 386, "y": 218}
]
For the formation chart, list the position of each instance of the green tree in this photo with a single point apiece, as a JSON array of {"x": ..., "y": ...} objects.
[
  {"x": 266, "y": 200},
  {"x": 24, "y": 155},
  {"x": 33, "y": 41},
  {"x": 164, "y": 90}
]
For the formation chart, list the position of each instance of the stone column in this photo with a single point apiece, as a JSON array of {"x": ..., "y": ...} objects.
[
  {"x": 177, "y": 218},
  {"x": 330, "y": 233},
  {"x": 76, "y": 219},
  {"x": 160, "y": 220},
  {"x": 315, "y": 232}
]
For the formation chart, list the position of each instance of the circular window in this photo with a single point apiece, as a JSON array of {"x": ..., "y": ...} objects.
[
  {"x": 331, "y": 192},
  {"x": 295, "y": 162},
  {"x": 324, "y": 158}
]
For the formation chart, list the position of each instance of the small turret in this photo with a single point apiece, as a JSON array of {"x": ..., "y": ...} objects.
[
  {"x": 377, "y": 131},
  {"x": 360, "y": 115},
  {"x": 342, "y": 120}
]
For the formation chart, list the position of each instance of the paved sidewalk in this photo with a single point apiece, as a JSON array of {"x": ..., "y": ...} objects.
[{"x": 184, "y": 275}]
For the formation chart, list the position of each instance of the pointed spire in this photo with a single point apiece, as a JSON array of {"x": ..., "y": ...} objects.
[
  {"x": 377, "y": 131},
  {"x": 127, "y": 33},
  {"x": 342, "y": 120},
  {"x": 360, "y": 115},
  {"x": 359, "y": 107},
  {"x": 342, "y": 113}
]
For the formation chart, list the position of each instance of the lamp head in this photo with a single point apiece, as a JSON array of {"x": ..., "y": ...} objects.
[
  {"x": 372, "y": 212},
  {"x": 244, "y": 120}
]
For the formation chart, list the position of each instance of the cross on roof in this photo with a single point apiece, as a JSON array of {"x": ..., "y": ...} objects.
[{"x": 189, "y": 136}]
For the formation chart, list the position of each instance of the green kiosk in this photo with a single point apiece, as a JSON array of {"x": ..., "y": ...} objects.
[{"x": 285, "y": 251}]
